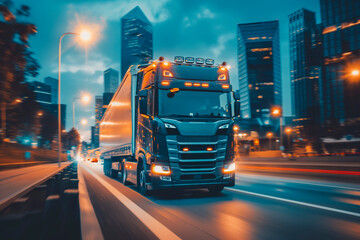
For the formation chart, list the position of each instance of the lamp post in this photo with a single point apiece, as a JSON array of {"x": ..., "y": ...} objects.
[
  {"x": 84, "y": 36},
  {"x": 288, "y": 131},
  {"x": 269, "y": 135},
  {"x": 277, "y": 112}
]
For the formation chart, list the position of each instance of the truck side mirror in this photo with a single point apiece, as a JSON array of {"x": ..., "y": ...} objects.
[
  {"x": 236, "y": 96},
  {"x": 237, "y": 108},
  {"x": 143, "y": 101}
]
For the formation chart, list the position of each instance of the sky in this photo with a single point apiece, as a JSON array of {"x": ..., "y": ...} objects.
[{"x": 201, "y": 28}]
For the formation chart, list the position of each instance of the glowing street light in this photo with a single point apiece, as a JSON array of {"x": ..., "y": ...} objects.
[
  {"x": 269, "y": 135},
  {"x": 355, "y": 73},
  {"x": 288, "y": 131},
  {"x": 84, "y": 99},
  {"x": 85, "y": 37},
  {"x": 277, "y": 113}
]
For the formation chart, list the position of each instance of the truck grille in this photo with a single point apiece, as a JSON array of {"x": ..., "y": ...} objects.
[{"x": 191, "y": 154}]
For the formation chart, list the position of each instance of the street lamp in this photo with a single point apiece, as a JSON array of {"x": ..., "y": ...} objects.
[
  {"x": 84, "y": 99},
  {"x": 355, "y": 72},
  {"x": 85, "y": 36},
  {"x": 288, "y": 131},
  {"x": 269, "y": 135},
  {"x": 277, "y": 113}
]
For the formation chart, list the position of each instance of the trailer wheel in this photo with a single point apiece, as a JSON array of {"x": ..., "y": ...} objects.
[
  {"x": 141, "y": 181},
  {"x": 123, "y": 174}
]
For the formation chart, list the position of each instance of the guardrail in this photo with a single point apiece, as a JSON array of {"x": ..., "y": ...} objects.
[{"x": 46, "y": 210}]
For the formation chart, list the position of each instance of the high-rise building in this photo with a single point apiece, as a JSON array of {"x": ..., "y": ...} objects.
[
  {"x": 106, "y": 100},
  {"x": 42, "y": 93},
  {"x": 92, "y": 137},
  {"x": 53, "y": 83},
  {"x": 341, "y": 36},
  {"x": 54, "y": 110},
  {"x": 98, "y": 116},
  {"x": 111, "y": 80},
  {"x": 259, "y": 68},
  {"x": 136, "y": 39},
  {"x": 305, "y": 67}
]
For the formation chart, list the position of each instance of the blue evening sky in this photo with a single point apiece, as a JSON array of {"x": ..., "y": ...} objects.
[{"x": 199, "y": 28}]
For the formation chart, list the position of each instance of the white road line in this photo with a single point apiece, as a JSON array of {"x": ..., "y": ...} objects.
[
  {"x": 286, "y": 180},
  {"x": 90, "y": 228},
  {"x": 157, "y": 228},
  {"x": 296, "y": 202}
]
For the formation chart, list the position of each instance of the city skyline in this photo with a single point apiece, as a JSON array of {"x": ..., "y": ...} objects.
[{"x": 201, "y": 23}]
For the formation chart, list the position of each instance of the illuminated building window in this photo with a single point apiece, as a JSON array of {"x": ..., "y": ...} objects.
[{"x": 261, "y": 49}]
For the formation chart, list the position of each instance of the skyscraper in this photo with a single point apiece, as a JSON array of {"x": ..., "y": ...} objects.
[
  {"x": 259, "y": 68},
  {"x": 136, "y": 39},
  {"x": 111, "y": 80},
  {"x": 305, "y": 67},
  {"x": 53, "y": 83},
  {"x": 98, "y": 116},
  {"x": 42, "y": 93},
  {"x": 341, "y": 36}
]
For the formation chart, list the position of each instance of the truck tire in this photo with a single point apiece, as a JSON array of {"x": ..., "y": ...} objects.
[
  {"x": 215, "y": 189},
  {"x": 141, "y": 180},
  {"x": 123, "y": 174}
]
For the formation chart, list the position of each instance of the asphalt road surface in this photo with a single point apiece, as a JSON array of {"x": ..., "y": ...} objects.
[{"x": 258, "y": 207}]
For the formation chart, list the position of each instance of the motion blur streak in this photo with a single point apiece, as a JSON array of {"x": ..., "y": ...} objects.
[
  {"x": 301, "y": 170},
  {"x": 158, "y": 229},
  {"x": 297, "y": 202}
]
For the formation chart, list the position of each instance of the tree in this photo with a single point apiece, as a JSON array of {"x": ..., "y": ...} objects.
[
  {"x": 71, "y": 139},
  {"x": 16, "y": 61}
]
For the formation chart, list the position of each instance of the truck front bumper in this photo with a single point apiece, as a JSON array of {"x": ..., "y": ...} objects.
[{"x": 159, "y": 182}]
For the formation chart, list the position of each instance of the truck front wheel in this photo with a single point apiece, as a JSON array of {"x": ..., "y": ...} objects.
[{"x": 141, "y": 181}]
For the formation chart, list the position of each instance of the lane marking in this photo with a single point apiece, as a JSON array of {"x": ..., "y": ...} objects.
[
  {"x": 297, "y": 202},
  {"x": 307, "y": 170},
  {"x": 157, "y": 228},
  {"x": 299, "y": 181},
  {"x": 90, "y": 227}
]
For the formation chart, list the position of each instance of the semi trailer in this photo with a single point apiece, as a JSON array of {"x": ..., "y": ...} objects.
[{"x": 170, "y": 126}]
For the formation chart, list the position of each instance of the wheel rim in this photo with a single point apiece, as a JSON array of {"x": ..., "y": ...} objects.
[
  {"x": 124, "y": 176},
  {"x": 142, "y": 179}
]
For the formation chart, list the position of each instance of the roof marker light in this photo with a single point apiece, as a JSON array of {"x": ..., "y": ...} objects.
[
  {"x": 188, "y": 84},
  {"x": 209, "y": 61},
  {"x": 225, "y": 86},
  {"x": 179, "y": 59},
  {"x": 165, "y": 83},
  {"x": 189, "y": 60},
  {"x": 222, "y": 77},
  {"x": 205, "y": 85},
  {"x": 196, "y": 84},
  {"x": 200, "y": 61},
  {"x": 167, "y": 73}
]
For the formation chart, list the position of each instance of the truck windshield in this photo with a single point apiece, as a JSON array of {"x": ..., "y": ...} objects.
[{"x": 185, "y": 103}]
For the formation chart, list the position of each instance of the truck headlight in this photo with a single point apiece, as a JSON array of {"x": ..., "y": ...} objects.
[
  {"x": 224, "y": 126},
  {"x": 168, "y": 125},
  {"x": 160, "y": 169},
  {"x": 229, "y": 168}
]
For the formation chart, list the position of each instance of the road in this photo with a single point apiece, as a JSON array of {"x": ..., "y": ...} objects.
[{"x": 258, "y": 207}]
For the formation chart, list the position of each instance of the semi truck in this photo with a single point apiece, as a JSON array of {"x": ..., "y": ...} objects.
[{"x": 170, "y": 126}]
